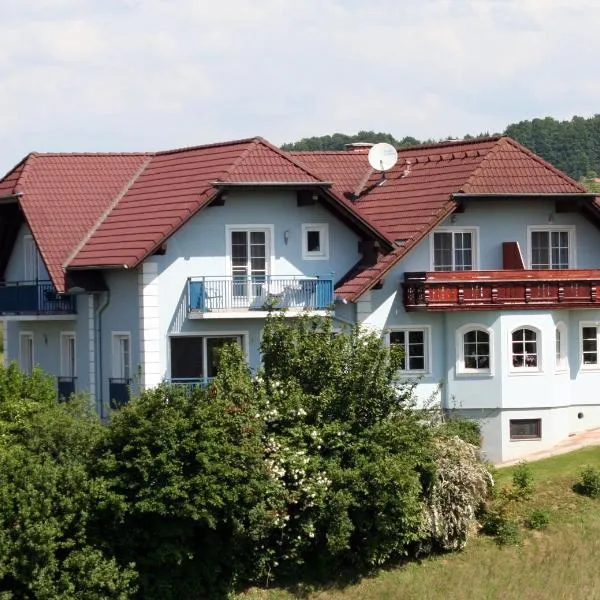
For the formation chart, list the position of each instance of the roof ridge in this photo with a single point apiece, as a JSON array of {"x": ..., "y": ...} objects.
[
  {"x": 285, "y": 155},
  {"x": 232, "y": 167},
  {"x": 206, "y": 146},
  {"x": 107, "y": 211},
  {"x": 495, "y": 149},
  {"x": 90, "y": 154},
  {"x": 447, "y": 143},
  {"x": 507, "y": 139}
]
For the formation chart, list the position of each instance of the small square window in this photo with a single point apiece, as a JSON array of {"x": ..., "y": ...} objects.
[
  {"x": 315, "y": 241},
  {"x": 525, "y": 429}
]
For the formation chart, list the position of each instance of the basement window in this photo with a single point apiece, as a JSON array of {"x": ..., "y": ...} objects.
[{"x": 525, "y": 429}]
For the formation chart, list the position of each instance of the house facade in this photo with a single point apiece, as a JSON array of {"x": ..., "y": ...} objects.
[{"x": 481, "y": 260}]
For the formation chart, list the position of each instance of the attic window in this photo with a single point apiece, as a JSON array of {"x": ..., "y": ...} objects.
[{"x": 315, "y": 241}]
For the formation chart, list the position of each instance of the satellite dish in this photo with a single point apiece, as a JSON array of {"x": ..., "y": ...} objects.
[{"x": 383, "y": 156}]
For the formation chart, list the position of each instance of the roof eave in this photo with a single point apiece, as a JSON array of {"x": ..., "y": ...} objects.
[
  {"x": 403, "y": 251},
  {"x": 281, "y": 184},
  {"x": 508, "y": 195}
]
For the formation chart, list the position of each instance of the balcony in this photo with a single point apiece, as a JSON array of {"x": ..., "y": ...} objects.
[
  {"x": 118, "y": 392},
  {"x": 33, "y": 298},
  {"x": 501, "y": 290},
  {"x": 214, "y": 297},
  {"x": 66, "y": 387},
  {"x": 189, "y": 384}
]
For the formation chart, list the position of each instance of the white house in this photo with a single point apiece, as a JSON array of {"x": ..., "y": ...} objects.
[{"x": 478, "y": 257}]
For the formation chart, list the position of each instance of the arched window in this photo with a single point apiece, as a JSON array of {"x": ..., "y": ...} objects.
[
  {"x": 525, "y": 351},
  {"x": 474, "y": 350}
]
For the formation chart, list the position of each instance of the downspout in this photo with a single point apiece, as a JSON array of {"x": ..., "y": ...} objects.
[{"x": 99, "y": 371}]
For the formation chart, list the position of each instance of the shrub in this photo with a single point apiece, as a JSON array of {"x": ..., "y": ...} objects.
[
  {"x": 509, "y": 532},
  {"x": 48, "y": 496},
  {"x": 523, "y": 487},
  {"x": 347, "y": 451},
  {"x": 460, "y": 487},
  {"x": 590, "y": 482},
  {"x": 539, "y": 518},
  {"x": 466, "y": 429},
  {"x": 190, "y": 474}
]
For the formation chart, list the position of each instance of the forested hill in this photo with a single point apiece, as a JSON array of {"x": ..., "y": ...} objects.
[{"x": 572, "y": 146}]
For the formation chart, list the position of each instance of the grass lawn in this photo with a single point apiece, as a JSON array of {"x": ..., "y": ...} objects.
[{"x": 560, "y": 563}]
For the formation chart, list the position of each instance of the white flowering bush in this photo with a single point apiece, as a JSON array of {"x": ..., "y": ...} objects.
[
  {"x": 347, "y": 452},
  {"x": 459, "y": 488}
]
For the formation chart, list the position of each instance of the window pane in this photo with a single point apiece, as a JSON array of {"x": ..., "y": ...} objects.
[
  {"x": 540, "y": 250},
  {"x": 470, "y": 362},
  {"x": 396, "y": 337},
  {"x": 416, "y": 363},
  {"x": 313, "y": 241},
  {"x": 416, "y": 337},
  {"x": 463, "y": 251},
  {"x": 442, "y": 251}
]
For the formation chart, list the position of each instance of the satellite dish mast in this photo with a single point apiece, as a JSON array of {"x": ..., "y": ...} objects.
[{"x": 382, "y": 157}]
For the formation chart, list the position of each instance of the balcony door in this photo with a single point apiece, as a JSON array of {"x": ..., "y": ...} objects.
[
  {"x": 250, "y": 251},
  {"x": 31, "y": 260}
]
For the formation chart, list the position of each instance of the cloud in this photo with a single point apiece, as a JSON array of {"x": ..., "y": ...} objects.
[{"x": 149, "y": 74}]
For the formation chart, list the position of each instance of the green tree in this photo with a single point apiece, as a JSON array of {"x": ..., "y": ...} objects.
[{"x": 48, "y": 496}]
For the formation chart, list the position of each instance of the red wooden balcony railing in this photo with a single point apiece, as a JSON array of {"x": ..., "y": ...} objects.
[{"x": 501, "y": 290}]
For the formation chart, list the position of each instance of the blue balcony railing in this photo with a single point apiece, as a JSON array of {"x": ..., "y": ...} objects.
[
  {"x": 33, "y": 298},
  {"x": 190, "y": 383},
  {"x": 259, "y": 292}
]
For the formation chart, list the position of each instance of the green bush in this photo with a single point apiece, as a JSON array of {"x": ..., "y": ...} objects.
[
  {"x": 467, "y": 430},
  {"x": 523, "y": 487},
  {"x": 590, "y": 482},
  {"x": 539, "y": 518},
  {"x": 190, "y": 473},
  {"x": 319, "y": 464},
  {"x": 509, "y": 532},
  {"x": 48, "y": 497}
]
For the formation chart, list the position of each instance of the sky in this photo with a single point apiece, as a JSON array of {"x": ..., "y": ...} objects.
[{"x": 143, "y": 75}]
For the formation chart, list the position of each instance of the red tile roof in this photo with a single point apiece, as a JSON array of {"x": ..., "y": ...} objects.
[
  {"x": 63, "y": 195},
  {"x": 173, "y": 187},
  {"x": 94, "y": 210},
  {"x": 418, "y": 192}
]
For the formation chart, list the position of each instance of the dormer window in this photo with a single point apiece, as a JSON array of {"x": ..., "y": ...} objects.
[
  {"x": 551, "y": 247},
  {"x": 454, "y": 249},
  {"x": 315, "y": 241}
]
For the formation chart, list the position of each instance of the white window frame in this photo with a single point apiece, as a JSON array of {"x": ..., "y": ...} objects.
[
  {"x": 64, "y": 359},
  {"x": 117, "y": 372},
  {"x": 269, "y": 239},
  {"x": 244, "y": 335},
  {"x": 30, "y": 252},
  {"x": 538, "y": 369},
  {"x": 474, "y": 231},
  {"x": 591, "y": 367},
  {"x": 460, "y": 351},
  {"x": 570, "y": 229},
  {"x": 561, "y": 357},
  {"x": 426, "y": 329},
  {"x": 323, "y": 229},
  {"x": 26, "y": 337}
]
